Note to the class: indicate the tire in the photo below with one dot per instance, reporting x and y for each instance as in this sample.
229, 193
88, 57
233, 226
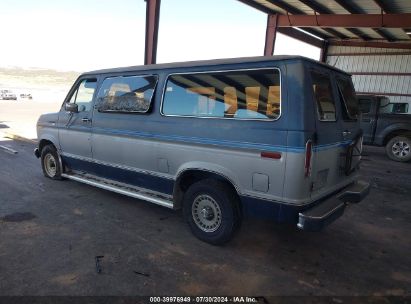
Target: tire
211, 209
50, 163
399, 149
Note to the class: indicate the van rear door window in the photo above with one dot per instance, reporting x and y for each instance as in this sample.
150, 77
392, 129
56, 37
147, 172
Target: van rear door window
251, 94
323, 96
351, 109
126, 94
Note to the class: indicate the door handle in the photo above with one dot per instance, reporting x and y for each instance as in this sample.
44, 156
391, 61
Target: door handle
86, 119
345, 133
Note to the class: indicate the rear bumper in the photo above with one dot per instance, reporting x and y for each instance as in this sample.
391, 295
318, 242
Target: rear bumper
319, 216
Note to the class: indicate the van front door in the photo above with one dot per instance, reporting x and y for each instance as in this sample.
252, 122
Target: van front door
75, 127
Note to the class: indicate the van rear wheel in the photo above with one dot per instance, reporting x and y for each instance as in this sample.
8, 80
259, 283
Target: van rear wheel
211, 209
50, 162
399, 149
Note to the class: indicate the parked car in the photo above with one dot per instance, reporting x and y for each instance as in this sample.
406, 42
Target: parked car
26, 96
7, 95
221, 139
386, 124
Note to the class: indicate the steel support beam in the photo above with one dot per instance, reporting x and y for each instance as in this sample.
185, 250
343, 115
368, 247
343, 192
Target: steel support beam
396, 53
373, 44
293, 33
270, 35
296, 34
152, 21
389, 10
353, 10
291, 10
345, 20
319, 8
324, 51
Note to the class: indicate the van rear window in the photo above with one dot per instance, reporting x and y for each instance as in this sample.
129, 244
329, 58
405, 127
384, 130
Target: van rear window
251, 94
130, 94
323, 96
347, 92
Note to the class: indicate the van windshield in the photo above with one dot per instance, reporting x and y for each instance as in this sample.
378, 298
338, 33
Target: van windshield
347, 92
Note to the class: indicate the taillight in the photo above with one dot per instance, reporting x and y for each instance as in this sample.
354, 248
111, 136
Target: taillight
308, 157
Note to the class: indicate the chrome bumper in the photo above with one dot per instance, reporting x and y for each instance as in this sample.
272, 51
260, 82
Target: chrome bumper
321, 215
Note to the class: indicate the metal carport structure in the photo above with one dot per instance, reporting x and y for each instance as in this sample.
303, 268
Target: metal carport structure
363, 23
371, 39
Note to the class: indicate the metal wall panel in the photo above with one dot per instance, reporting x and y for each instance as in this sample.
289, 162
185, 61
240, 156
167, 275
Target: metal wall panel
363, 60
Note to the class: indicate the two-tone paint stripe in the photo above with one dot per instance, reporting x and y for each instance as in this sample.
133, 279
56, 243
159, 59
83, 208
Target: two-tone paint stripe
219, 142
210, 141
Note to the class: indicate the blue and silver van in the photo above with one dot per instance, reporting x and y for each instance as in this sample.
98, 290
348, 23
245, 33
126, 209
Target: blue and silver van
276, 137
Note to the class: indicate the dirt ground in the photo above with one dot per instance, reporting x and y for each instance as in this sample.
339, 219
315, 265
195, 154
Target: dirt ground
51, 232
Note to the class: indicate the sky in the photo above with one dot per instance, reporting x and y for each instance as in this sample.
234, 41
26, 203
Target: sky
81, 35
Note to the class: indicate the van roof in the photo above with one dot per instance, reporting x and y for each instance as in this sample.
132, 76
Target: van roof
214, 62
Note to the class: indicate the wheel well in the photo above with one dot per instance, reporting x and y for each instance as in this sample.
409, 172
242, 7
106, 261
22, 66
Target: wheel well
43, 143
395, 133
189, 177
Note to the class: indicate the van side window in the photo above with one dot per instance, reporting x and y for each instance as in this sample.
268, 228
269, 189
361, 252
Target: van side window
126, 94
83, 95
253, 94
365, 105
349, 100
323, 96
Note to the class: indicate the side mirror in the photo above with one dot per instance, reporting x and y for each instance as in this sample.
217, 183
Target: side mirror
71, 107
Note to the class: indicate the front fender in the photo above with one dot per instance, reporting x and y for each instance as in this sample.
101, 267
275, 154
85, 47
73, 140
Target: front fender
47, 129
51, 138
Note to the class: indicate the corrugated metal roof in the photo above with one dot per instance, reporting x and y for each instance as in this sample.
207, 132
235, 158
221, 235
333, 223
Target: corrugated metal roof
311, 7
398, 6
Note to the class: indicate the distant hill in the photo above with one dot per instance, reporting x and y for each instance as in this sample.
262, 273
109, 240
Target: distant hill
36, 78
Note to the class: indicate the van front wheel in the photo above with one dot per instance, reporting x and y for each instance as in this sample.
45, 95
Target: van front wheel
399, 149
50, 162
211, 209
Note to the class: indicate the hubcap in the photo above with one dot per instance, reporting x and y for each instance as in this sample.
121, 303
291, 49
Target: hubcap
401, 149
50, 165
206, 213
